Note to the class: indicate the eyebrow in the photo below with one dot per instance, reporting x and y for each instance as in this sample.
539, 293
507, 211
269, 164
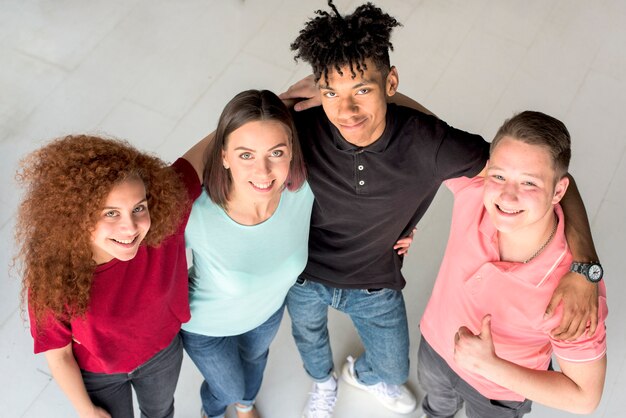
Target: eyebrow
115, 207
282, 144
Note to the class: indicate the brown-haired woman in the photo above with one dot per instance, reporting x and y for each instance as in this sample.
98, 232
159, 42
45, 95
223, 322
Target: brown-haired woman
248, 232
102, 254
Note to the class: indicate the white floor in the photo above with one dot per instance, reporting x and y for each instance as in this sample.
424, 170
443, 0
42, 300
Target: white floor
158, 72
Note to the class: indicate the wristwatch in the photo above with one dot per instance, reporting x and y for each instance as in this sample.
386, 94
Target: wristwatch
592, 271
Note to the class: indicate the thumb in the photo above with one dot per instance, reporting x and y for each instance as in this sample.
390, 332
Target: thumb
554, 302
485, 329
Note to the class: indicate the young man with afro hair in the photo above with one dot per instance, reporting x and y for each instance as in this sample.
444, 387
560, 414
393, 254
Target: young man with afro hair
374, 169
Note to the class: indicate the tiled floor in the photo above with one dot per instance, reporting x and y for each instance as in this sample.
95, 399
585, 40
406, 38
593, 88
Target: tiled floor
158, 72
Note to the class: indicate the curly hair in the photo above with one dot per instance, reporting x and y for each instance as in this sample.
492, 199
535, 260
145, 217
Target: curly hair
331, 41
66, 183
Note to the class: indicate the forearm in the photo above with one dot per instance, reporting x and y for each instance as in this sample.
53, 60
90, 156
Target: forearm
66, 372
577, 229
551, 388
196, 155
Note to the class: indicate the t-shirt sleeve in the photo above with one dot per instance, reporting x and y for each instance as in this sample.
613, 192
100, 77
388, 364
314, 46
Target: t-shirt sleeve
460, 153
586, 348
189, 177
50, 333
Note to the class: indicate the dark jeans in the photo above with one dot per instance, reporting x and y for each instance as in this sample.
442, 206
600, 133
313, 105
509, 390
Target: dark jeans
154, 383
446, 391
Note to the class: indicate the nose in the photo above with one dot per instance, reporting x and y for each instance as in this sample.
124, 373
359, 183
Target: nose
347, 107
128, 224
263, 166
509, 191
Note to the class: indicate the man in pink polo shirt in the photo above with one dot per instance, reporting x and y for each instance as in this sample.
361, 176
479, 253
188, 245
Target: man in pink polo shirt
485, 341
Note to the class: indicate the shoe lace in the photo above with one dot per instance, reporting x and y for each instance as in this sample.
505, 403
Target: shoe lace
322, 400
388, 391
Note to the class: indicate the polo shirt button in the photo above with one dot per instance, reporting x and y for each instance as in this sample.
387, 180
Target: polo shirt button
361, 183
360, 167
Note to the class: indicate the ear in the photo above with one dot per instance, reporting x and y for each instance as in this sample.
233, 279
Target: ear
560, 189
391, 84
224, 160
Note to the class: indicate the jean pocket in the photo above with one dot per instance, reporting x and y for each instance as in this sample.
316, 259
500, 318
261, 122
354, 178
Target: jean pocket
375, 291
510, 405
301, 281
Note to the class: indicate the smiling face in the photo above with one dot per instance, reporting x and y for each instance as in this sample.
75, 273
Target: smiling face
123, 223
258, 156
521, 187
357, 106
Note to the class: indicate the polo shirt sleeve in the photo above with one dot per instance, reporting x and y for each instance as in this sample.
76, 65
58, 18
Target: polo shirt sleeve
459, 153
586, 348
457, 184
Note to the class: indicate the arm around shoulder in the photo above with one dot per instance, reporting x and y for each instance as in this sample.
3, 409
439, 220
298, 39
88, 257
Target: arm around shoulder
196, 155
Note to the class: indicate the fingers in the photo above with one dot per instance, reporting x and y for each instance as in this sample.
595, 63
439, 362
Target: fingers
593, 322
554, 302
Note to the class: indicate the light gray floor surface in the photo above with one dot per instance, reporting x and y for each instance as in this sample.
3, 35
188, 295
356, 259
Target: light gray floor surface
158, 73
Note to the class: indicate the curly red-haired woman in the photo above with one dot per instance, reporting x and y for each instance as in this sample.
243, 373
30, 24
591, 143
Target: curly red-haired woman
102, 253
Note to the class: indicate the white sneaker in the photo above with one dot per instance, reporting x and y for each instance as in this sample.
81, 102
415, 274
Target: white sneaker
321, 402
396, 398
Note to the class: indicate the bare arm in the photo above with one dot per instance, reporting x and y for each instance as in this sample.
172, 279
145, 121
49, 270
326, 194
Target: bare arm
577, 388
66, 372
579, 296
196, 155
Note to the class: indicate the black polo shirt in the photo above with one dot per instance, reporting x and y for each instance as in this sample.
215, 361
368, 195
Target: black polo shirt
366, 198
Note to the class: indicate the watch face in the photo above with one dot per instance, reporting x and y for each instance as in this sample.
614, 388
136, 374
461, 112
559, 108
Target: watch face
595, 272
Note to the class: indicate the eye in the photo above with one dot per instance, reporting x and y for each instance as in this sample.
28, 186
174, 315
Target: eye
140, 208
497, 177
330, 94
277, 153
110, 214
529, 183
363, 91
246, 156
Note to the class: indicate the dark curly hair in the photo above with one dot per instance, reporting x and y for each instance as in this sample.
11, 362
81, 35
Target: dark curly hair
66, 182
331, 41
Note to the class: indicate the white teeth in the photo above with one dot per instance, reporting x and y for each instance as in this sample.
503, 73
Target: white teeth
124, 241
262, 185
509, 211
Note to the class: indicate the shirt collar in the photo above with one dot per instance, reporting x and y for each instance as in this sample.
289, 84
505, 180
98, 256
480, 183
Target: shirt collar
538, 269
377, 146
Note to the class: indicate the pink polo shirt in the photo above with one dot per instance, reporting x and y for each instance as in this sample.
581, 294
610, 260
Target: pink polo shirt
472, 282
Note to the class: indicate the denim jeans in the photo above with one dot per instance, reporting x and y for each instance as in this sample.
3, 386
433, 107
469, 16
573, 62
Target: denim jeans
232, 366
154, 383
446, 391
379, 317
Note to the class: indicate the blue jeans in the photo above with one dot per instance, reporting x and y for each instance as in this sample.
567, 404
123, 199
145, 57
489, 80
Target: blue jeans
379, 317
154, 383
232, 366
446, 391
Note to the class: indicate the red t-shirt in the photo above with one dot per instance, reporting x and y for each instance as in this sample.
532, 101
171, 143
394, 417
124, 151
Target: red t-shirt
136, 307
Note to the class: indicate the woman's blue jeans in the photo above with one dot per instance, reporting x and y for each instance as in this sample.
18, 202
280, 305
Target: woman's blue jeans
379, 316
232, 366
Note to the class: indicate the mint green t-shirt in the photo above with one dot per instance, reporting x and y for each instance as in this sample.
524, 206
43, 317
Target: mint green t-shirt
241, 274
